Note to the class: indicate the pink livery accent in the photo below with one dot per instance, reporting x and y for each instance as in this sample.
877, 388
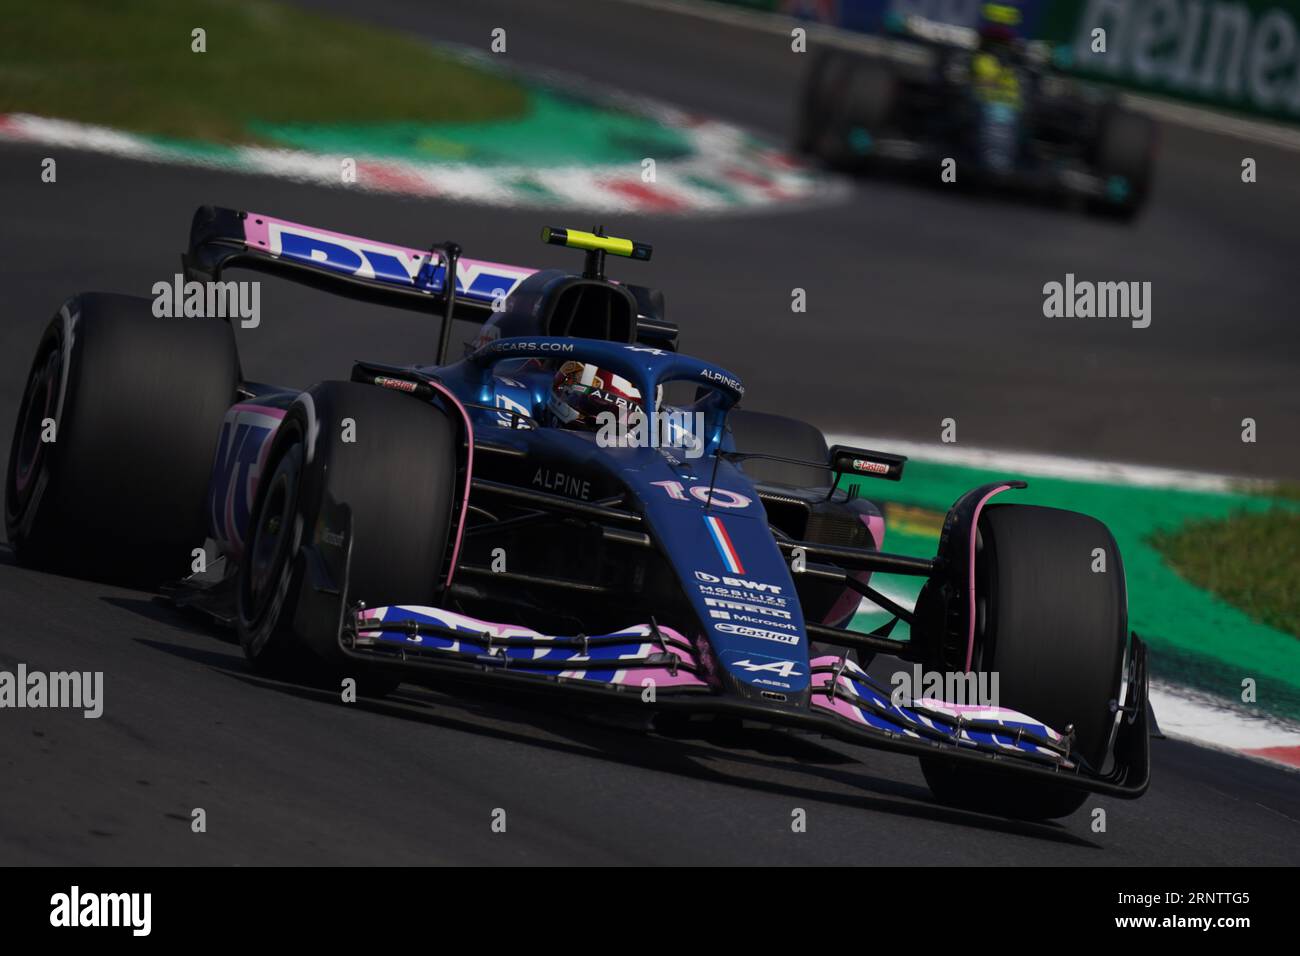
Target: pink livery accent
843, 708
876, 525
237, 469
371, 622
832, 660
469, 471
910, 711
842, 610
970, 584
266, 410
263, 233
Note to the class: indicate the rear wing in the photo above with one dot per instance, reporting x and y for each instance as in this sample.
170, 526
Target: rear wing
379, 272
347, 265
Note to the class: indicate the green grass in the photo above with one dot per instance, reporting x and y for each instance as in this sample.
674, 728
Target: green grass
129, 64
1250, 559
1290, 490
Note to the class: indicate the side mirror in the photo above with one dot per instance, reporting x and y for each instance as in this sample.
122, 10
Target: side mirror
846, 460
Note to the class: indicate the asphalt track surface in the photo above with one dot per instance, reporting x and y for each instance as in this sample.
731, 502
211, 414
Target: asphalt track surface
921, 307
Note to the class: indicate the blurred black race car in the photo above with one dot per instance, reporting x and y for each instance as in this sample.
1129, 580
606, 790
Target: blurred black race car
987, 99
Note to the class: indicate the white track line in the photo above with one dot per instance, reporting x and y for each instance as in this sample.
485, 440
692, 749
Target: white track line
1212, 121
1012, 463
1182, 713
1187, 715
726, 170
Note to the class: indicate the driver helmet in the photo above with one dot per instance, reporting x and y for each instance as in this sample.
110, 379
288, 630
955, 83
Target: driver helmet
999, 27
581, 392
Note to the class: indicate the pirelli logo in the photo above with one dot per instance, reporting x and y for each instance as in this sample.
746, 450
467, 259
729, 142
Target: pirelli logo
746, 608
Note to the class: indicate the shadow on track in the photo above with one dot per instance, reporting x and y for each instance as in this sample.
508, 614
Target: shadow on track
509, 719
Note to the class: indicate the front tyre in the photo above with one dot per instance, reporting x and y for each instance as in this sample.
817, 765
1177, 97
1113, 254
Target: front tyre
1055, 632
393, 461
1125, 158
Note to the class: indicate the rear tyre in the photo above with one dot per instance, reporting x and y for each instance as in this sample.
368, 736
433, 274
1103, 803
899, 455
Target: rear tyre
871, 95
398, 476
848, 101
865, 109
1055, 632
136, 404
1125, 156
817, 100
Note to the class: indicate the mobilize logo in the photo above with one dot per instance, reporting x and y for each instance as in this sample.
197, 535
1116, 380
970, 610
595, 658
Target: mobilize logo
77, 909
737, 594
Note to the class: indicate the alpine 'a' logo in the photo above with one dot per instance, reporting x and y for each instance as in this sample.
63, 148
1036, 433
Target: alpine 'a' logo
783, 668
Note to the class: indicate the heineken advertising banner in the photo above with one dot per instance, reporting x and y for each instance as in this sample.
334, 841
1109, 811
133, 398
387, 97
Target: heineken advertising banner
1239, 55
1242, 55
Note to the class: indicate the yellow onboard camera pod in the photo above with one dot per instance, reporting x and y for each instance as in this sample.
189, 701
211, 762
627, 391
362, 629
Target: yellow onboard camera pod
590, 242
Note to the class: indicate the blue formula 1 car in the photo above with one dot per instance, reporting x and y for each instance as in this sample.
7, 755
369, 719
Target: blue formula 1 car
574, 508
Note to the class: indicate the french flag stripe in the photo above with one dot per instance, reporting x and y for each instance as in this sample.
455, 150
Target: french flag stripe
718, 531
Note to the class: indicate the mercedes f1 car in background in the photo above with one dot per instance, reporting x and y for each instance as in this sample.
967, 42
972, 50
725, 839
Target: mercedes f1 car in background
454, 523
985, 98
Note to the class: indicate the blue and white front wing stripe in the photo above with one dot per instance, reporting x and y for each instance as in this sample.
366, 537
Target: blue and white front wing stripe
474, 639
852, 684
